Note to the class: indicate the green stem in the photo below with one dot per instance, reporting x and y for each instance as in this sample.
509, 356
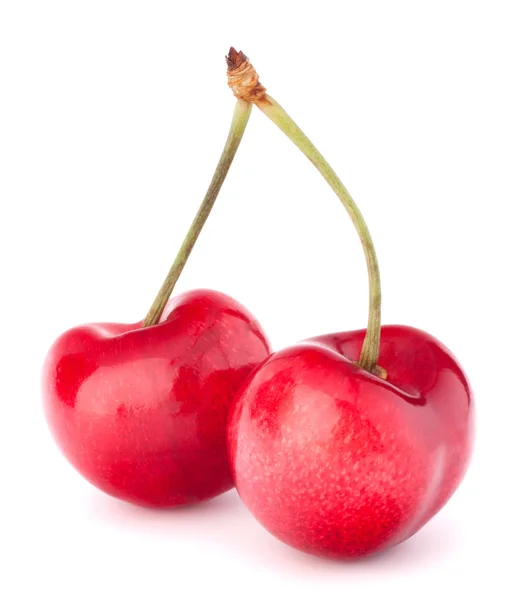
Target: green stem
237, 129
371, 345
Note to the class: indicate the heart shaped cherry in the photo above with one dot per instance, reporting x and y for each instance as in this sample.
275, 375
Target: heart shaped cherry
348, 443
140, 410
341, 463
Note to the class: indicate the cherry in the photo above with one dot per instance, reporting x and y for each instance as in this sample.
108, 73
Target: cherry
341, 463
140, 410
348, 443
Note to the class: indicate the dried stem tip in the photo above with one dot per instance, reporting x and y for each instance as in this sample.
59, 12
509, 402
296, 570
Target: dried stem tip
242, 77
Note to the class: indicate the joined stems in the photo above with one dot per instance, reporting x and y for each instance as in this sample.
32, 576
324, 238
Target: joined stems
244, 82
237, 129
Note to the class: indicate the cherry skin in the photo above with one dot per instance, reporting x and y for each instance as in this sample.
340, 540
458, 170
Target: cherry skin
141, 412
340, 463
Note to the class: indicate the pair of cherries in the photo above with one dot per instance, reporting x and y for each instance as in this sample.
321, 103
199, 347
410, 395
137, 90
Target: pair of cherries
341, 445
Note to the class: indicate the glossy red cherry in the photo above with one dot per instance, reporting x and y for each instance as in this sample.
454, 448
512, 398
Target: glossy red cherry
340, 463
348, 443
141, 411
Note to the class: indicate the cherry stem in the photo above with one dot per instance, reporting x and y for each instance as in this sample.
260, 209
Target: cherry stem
237, 129
371, 345
244, 83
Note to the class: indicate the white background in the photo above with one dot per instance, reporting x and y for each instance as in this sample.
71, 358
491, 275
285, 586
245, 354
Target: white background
112, 117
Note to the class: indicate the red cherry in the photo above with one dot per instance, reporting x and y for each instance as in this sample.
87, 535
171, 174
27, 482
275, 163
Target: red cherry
348, 443
141, 411
340, 463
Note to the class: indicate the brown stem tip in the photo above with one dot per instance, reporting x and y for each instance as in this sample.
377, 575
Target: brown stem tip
242, 77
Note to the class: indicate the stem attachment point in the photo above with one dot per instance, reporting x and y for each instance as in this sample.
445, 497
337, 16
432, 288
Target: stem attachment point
242, 77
